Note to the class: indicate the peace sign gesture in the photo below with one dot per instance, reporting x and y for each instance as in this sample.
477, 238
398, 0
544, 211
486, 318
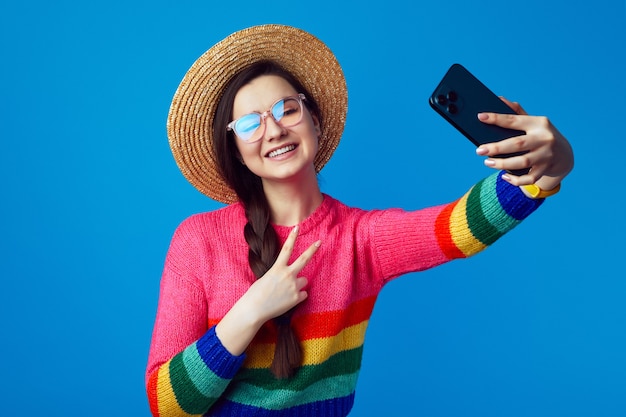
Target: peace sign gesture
281, 288
275, 293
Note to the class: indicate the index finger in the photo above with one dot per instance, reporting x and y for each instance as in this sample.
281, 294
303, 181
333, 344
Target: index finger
287, 249
509, 121
305, 257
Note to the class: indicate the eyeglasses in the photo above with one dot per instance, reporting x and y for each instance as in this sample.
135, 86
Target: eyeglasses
287, 112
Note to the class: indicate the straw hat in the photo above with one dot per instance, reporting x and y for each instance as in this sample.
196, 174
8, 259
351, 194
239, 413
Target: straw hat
190, 120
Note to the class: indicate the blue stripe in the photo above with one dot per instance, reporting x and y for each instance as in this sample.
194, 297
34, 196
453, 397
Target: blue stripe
335, 407
514, 201
216, 357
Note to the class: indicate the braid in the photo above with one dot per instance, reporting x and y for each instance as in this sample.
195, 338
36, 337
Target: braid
262, 253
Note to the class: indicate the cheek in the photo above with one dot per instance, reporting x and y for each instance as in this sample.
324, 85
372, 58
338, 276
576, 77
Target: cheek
313, 129
238, 146
244, 148
249, 154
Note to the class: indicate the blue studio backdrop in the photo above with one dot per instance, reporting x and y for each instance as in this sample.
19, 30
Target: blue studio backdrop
534, 326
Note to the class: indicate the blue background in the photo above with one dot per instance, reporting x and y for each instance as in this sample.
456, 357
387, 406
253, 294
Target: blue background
534, 326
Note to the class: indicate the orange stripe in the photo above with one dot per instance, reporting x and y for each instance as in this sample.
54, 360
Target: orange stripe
444, 236
316, 351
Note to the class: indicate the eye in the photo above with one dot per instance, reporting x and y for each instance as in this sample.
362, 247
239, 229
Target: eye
248, 123
291, 106
290, 110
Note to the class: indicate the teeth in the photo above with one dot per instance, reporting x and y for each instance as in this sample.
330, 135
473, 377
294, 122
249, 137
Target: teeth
281, 151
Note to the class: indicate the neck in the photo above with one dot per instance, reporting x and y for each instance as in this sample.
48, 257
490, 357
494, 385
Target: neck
291, 203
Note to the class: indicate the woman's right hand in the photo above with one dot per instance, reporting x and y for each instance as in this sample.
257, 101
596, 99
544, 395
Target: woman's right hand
275, 293
281, 288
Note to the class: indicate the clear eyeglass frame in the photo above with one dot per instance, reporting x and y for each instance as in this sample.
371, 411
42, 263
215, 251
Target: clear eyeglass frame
238, 125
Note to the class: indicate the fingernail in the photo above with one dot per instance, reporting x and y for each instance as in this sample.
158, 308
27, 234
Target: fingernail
481, 150
318, 243
294, 230
505, 177
490, 162
483, 116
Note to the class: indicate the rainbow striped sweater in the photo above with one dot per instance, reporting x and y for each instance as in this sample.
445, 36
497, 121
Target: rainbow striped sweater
190, 372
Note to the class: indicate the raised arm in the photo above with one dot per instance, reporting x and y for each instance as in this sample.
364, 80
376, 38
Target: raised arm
491, 208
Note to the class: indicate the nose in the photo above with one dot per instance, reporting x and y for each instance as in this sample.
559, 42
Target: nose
273, 129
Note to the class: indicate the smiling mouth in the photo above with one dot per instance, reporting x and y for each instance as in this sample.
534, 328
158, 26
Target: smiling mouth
281, 151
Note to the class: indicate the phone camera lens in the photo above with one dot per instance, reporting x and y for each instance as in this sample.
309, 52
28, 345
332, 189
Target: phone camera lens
452, 96
441, 99
452, 109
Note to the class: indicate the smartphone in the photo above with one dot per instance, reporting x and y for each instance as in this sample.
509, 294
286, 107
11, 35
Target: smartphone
460, 96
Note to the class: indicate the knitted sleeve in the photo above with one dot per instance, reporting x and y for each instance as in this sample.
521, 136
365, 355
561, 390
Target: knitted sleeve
414, 241
188, 367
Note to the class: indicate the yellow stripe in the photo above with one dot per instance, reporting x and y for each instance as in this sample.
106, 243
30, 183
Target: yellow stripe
166, 399
315, 351
461, 234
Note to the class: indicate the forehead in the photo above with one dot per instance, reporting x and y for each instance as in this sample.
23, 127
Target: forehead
260, 93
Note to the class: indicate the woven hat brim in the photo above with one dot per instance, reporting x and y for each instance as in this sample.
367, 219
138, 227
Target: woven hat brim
190, 119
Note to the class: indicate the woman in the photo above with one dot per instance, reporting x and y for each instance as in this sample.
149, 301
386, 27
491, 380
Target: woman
264, 303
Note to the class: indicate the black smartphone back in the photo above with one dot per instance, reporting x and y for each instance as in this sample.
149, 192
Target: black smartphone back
460, 96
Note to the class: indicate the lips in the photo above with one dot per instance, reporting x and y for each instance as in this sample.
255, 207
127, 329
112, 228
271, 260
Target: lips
281, 150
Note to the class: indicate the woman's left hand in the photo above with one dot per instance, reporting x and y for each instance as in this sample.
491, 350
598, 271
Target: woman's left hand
548, 154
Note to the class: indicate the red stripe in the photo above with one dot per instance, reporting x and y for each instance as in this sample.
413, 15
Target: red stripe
151, 390
330, 323
318, 325
444, 237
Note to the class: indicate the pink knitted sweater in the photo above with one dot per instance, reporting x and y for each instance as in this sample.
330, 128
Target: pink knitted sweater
206, 271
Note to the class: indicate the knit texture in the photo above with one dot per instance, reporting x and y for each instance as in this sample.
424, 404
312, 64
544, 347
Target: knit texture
206, 271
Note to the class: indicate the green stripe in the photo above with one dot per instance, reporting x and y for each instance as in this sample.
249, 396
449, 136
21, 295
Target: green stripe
480, 227
279, 399
187, 395
206, 381
492, 208
342, 363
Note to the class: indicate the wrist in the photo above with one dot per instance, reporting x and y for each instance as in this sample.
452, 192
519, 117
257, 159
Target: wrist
250, 312
239, 326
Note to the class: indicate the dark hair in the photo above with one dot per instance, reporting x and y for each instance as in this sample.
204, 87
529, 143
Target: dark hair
261, 237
